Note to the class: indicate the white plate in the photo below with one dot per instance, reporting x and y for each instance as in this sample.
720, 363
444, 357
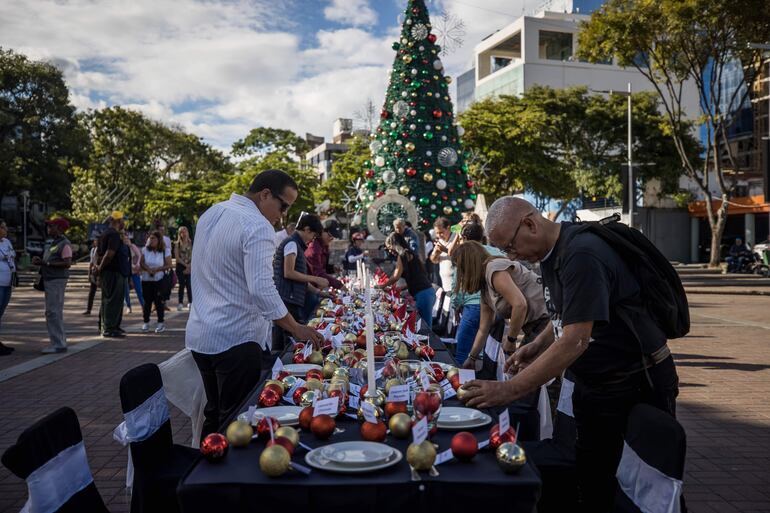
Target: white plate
300, 369
286, 415
456, 418
357, 454
315, 460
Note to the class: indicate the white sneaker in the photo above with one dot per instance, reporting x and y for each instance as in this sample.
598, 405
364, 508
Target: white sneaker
179, 307
160, 328
145, 327
128, 309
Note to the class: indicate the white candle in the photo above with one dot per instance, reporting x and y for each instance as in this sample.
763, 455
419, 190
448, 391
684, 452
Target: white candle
369, 329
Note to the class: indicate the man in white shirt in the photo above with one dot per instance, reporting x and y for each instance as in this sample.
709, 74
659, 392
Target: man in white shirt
236, 300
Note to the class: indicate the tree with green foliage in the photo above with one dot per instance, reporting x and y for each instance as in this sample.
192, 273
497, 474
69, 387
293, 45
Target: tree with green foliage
680, 44
560, 143
416, 148
264, 140
40, 139
346, 170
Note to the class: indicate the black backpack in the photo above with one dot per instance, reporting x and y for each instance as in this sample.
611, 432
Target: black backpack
661, 289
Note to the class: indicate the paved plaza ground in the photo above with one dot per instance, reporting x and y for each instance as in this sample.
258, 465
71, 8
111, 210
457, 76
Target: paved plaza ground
724, 367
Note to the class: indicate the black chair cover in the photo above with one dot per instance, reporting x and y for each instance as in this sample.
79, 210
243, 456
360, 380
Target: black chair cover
41, 442
158, 462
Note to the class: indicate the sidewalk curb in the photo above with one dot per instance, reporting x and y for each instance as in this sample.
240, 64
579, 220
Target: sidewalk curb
716, 292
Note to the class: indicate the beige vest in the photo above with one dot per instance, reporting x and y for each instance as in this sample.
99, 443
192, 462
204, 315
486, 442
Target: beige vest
528, 282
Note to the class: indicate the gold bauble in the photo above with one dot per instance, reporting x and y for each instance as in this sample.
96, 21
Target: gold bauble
341, 373
276, 382
427, 177
452, 372
288, 382
511, 457
328, 370
288, 432
447, 210
421, 456
461, 393
239, 433
274, 461
314, 384
400, 425
407, 58
378, 399
391, 383
404, 190
448, 79
316, 358
378, 413
403, 351
309, 397
333, 358
409, 146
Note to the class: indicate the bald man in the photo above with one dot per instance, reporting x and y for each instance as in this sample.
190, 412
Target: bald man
584, 282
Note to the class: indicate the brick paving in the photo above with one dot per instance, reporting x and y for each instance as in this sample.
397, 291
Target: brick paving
724, 367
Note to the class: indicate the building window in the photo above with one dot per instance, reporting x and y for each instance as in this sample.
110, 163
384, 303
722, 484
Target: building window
555, 46
500, 62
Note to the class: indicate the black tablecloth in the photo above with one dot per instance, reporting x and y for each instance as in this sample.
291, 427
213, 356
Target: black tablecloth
237, 484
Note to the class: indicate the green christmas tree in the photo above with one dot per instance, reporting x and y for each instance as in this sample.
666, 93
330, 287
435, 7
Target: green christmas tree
416, 149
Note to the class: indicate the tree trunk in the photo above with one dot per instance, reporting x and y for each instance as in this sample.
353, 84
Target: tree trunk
717, 229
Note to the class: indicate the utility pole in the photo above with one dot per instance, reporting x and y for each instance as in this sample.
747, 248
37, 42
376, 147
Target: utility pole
631, 195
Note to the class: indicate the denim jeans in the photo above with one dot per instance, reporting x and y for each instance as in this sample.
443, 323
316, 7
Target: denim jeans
5, 298
466, 332
136, 279
424, 300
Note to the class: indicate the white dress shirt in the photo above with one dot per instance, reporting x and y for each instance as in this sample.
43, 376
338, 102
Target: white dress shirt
235, 295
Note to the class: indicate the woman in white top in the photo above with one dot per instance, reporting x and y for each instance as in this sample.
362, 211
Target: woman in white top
7, 268
445, 241
154, 263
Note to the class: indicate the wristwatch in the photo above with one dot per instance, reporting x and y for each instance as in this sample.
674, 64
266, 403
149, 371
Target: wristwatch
512, 340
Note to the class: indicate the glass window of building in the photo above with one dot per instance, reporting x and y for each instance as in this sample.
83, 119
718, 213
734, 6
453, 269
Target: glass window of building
555, 46
500, 62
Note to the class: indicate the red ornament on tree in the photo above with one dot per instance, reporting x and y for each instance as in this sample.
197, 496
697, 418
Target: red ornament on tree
384, 114
214, 447
379, 194
432, 38
410, 171
469, 184
464, 446
370, 173
437, 113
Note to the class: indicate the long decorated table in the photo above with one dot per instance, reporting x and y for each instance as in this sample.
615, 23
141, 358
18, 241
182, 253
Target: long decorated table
236, 483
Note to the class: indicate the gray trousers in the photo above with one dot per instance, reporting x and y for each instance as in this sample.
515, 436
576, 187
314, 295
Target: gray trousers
54, 311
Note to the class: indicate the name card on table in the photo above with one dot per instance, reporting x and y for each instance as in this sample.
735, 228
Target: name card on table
347, 300
308, 349
483, 444
504, 420
378, 372
277, 367
338, 339
449, 390
398, 394
354, 401
443, 457
420, 431
368, 411
466, 375
424, 381
289, 397
328, 406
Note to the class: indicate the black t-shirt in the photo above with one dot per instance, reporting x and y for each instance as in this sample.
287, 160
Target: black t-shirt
110, 239
414, 274
592, 279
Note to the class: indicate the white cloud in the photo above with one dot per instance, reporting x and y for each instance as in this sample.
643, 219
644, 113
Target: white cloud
351, 12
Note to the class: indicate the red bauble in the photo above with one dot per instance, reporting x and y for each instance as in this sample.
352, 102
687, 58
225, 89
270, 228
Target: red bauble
437, 113
427, 403
298, 358
379, 194
455, 381
362, 391
283, 441
427, 352
464, 446
379, 350
306, 417
372, 432
438, 372
470, 184
275, 387
297, 396
314, 373
410, 171
393, 408
282, 374
370, 173
343, 402
268, 397
322, 426
384, 114
496, 439
263, 427
214, 447
426, 164
432, 38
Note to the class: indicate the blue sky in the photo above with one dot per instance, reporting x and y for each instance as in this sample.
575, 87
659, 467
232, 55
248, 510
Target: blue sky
218, 68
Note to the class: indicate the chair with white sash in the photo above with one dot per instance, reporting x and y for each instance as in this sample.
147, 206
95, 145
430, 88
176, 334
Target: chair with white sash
51, 457
157, 462
555, 456
652, 466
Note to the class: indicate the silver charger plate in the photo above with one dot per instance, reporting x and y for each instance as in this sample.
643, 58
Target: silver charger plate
357, 454
286, 415
317, 461
455, 418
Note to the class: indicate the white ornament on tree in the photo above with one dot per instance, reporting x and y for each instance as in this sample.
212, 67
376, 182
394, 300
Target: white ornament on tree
441, 184
468, 203
379, 161
447, 157
388, 176
437, 64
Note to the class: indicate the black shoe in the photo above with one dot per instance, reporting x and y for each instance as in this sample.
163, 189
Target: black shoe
4, 350
120, 330
87, 312
113, 334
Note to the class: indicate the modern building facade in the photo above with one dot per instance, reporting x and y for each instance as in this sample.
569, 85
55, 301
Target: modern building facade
321, 157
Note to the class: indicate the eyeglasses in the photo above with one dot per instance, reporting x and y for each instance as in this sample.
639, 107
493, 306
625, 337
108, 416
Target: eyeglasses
284, 205
509, 249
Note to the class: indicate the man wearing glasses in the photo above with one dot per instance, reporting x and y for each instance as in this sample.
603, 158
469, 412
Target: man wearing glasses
236, 301
585, 283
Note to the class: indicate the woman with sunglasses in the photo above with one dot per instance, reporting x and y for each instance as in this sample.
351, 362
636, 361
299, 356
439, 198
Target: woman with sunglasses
508, 290
410, 267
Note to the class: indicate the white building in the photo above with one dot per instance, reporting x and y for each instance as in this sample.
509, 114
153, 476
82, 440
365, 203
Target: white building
321, 157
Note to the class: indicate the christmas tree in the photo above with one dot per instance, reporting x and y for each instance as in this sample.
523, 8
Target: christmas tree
416, 148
